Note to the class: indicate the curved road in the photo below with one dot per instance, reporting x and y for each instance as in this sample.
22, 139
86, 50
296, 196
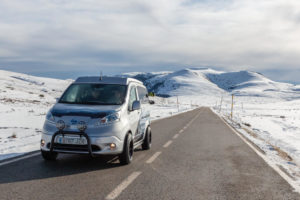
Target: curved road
194, 156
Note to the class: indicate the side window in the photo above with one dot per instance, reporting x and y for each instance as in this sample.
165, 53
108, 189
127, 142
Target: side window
132, 96
71, 94
143, 94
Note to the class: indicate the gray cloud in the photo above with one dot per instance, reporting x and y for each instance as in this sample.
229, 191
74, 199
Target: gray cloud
134, 34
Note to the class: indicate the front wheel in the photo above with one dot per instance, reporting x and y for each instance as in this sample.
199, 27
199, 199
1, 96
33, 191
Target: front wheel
47, 155
127, 154
148, 139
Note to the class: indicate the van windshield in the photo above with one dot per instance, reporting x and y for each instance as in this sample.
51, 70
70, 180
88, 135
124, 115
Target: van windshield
95, 94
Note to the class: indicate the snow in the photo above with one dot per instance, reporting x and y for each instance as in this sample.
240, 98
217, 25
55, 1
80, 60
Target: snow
265, 111
24, 102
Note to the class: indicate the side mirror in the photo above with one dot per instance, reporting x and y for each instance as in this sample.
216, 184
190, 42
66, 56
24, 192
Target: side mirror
136, 105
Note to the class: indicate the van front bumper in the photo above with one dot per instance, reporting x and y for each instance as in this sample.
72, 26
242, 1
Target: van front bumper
95, 145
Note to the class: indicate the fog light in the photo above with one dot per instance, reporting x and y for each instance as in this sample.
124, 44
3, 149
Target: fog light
42, 143
60, 125
112, 146
81, 126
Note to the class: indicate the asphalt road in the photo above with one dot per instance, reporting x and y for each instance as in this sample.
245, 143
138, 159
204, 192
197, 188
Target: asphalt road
194, 156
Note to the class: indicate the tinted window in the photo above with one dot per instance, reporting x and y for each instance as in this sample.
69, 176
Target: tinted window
95, 94
143, 94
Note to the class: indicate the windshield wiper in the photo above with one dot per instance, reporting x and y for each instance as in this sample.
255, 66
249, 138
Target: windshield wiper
98, 103
89, 103
67, 102
93, 103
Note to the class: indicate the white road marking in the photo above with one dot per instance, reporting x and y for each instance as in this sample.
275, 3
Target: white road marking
175, 136
18, 159
152, 158
188, 124
118, 190
167, 143
265, 158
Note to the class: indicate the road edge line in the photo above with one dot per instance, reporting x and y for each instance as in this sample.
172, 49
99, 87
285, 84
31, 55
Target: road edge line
8, 161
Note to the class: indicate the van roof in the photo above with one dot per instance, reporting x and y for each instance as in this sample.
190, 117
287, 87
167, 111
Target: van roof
107, 80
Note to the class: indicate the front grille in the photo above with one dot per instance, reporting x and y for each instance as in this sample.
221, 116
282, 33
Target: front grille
96, 148
72, 147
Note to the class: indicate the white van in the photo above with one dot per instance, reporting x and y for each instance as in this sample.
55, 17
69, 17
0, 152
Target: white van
98, 116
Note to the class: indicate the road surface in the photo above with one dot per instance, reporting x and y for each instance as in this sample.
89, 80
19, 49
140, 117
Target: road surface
194, 156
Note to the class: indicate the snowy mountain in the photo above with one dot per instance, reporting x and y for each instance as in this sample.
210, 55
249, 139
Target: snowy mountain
25, 89
205, 81
24, 102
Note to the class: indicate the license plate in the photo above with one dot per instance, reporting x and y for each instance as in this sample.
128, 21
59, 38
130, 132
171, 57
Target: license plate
70, 140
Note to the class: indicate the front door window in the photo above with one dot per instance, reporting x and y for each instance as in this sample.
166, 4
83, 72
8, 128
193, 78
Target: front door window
132, 97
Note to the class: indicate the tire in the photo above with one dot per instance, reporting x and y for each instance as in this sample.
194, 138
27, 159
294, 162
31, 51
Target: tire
127, 154
47, 155
148, 139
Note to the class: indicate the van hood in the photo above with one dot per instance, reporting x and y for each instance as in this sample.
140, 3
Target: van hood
92, 111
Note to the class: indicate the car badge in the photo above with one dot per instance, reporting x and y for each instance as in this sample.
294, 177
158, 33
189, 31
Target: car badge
73, 121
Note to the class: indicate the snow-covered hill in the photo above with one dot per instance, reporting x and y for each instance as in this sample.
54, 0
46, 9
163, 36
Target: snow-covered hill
178, 83
205, 81
22, 88
24, 101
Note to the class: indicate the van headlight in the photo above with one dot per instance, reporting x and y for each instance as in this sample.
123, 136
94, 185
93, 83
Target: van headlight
50, 117
109, 119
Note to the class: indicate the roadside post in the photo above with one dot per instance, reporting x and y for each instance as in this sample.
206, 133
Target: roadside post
177, 104
221, 104
231, 107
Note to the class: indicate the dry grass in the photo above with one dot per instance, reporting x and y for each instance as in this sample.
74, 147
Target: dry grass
9, 100
250, 133
280, 152
14, 135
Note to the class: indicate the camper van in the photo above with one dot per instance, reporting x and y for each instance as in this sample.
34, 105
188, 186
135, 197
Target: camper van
98, 116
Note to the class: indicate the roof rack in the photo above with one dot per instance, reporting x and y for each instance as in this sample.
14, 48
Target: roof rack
106, 80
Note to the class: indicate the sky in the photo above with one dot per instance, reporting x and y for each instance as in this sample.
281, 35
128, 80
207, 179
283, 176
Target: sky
65, 39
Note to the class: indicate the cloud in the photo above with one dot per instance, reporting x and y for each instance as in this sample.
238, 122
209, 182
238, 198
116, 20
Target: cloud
90, 34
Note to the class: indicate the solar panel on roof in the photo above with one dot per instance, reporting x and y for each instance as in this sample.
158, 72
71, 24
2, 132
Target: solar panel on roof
106, 80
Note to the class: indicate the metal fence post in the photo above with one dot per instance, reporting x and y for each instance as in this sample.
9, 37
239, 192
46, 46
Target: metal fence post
231, 107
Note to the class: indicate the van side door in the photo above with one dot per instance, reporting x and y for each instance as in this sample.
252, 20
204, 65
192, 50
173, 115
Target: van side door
134, 115
145, 113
